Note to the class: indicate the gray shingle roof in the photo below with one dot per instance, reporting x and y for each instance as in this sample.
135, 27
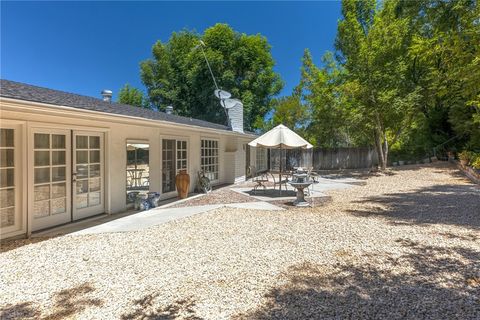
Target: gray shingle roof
22, 91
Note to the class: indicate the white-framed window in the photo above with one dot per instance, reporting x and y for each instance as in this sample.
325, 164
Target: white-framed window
182, 159
209, 159
8, 188
261, 159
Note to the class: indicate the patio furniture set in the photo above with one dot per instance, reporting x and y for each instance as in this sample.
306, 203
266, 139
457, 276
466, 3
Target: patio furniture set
299, 178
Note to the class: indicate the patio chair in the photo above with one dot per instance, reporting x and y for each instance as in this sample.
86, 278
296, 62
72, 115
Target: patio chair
283, 181
259, 178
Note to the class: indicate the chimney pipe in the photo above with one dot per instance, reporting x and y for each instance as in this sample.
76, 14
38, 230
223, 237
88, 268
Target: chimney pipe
169, 110
107, 95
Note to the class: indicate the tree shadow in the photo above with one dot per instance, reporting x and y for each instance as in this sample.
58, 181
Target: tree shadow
11, 244
442, 204
23, 310
68, 302
145, 309
426, 282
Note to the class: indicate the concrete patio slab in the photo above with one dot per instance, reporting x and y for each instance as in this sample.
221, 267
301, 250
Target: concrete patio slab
254, 206
153, 217
146, 219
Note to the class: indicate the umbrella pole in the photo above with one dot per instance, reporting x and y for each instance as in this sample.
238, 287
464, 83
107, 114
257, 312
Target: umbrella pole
280, 173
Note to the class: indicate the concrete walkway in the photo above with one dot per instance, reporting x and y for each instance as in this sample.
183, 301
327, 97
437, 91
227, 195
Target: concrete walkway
153, 217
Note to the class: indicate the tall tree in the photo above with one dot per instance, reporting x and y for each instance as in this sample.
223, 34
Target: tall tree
372, 44
132, 96
177, 74
446, 49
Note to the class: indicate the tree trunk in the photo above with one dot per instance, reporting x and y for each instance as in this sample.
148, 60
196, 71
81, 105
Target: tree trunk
382, 150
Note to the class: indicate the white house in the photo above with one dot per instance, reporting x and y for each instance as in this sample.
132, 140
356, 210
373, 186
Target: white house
66, 157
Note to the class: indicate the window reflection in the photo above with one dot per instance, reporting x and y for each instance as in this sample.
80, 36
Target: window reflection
138, 178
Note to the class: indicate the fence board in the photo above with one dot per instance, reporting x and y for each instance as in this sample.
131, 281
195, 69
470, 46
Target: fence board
324, 158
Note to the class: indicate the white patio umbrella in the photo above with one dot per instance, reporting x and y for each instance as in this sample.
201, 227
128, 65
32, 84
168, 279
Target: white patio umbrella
281, 137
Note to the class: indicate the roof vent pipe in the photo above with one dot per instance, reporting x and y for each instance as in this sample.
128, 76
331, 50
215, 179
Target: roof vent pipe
107, 95
169, 110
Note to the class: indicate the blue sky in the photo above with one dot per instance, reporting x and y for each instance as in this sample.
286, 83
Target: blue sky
84, 47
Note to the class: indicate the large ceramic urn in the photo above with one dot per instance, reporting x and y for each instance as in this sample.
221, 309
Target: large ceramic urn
182, 181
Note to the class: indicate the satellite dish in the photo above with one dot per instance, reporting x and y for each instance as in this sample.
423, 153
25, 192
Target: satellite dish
222, 94
230, 103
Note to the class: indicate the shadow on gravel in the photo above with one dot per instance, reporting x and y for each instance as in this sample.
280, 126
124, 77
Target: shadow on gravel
444, 204
68, 303
145, 309
433, 283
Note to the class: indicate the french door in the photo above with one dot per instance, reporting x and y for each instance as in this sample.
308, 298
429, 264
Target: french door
174, 159
66, 176
50, 179
88, 177
168, 165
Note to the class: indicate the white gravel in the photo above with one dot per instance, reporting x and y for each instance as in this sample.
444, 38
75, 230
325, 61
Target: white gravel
404, 246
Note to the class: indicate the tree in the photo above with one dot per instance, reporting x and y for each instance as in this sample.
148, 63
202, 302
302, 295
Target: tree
290, 112
132, 96
321, 90
372, 45
178, 75
446, 49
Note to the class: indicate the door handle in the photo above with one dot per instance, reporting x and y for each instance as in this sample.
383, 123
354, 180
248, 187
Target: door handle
74, 176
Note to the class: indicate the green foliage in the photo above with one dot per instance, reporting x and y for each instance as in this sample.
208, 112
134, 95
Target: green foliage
291, 112
405, 78
467, 156
132, 96
475, 163
178, 75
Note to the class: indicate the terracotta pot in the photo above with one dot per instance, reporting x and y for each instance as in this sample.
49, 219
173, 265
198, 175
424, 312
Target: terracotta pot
463, 162
182, 181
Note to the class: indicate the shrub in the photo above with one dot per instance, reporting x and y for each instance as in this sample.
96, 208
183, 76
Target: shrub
466, 155
475, 162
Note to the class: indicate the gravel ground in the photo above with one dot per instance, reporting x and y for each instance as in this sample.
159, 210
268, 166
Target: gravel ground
404, 246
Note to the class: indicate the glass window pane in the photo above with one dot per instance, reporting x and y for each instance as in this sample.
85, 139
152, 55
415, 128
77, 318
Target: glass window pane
41, 209
94, 142
42, 158
6, 178
6, 137
58, 206
58, 157
82, 200
7, 217
7, 198
42, 175
6, 158
42, 192
94, 156
82, 142
93, 199
58, 174
59, 190
42, 141
94, 184
82, 156
82, 186
82, 171
94, 170
58, 141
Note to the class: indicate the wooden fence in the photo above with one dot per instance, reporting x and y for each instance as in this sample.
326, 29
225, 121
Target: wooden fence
325, 158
